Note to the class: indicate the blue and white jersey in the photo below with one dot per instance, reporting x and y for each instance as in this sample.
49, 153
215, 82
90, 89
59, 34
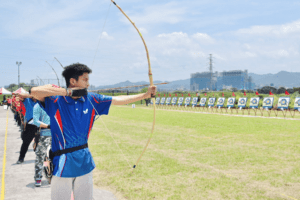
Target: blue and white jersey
41, 117
71, 123
29, 104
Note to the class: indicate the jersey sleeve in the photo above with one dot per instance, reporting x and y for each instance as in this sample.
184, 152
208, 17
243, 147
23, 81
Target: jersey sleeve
36, 115
101, 103
49, 101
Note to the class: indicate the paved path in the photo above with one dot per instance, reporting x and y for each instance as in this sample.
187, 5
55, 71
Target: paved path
19, 181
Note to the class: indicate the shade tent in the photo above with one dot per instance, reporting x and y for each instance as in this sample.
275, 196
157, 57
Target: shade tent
20, 91
4, 91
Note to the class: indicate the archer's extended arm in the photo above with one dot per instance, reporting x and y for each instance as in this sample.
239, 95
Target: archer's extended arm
121, 100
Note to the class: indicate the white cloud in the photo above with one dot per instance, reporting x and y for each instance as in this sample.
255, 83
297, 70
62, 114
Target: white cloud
203, 38
274, 30
175, 35
105, 35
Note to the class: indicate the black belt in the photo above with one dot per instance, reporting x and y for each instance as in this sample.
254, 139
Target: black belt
64, 151
45, 128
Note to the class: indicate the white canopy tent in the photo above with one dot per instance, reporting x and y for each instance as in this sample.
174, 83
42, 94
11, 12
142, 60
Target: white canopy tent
20, 91
4, 91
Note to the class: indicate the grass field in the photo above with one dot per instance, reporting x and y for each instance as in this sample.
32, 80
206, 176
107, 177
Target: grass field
196, 156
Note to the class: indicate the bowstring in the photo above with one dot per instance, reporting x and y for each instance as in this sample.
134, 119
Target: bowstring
98, 116
101, 34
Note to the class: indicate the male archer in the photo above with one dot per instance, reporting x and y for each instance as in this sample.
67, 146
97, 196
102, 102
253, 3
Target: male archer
72, 113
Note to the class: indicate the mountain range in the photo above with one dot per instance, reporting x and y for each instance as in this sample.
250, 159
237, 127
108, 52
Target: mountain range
280, 79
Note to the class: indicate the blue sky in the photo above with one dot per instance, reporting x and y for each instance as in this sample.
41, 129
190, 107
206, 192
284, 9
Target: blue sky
261, 36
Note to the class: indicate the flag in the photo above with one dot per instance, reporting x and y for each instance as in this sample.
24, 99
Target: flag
164, 95
205, 94
222, 94
189, 94
245, 93
169, 95
287, 93
181, 94
197, 94
213, 94
175, 94
270, 93
159, 95
256, 93
233, 94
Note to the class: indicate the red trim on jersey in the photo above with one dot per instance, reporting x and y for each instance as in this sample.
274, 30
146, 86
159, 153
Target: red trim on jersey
58, 120
91, 122
95, 99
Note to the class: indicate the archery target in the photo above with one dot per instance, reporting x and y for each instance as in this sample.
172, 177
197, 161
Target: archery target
283, 102
242, 102
221, 102
211, 101
297, 103
180, 100
168, 100
162, 102
230, 102
203, 101
195, 100
268, 102
187, 101
174, 100
157, 100
254, 102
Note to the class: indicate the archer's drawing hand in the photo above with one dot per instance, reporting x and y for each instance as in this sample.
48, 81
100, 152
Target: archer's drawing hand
76, 92
151, 91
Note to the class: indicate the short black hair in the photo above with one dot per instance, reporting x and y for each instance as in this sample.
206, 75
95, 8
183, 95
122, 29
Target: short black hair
74, 71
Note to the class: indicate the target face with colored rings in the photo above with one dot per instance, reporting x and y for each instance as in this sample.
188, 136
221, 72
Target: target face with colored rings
221, 101
268, 102
242, 101
211, 101
231, 101
203, 101
283, 102
298, 102
254, 101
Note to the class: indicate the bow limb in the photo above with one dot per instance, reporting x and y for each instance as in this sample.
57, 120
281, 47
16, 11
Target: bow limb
59, 62
55, 73
150, 79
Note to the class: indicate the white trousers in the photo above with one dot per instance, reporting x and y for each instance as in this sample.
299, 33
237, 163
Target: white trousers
82, 186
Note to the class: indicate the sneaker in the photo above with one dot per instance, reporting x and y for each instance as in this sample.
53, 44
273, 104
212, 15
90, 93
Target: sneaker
20, 161
38, 183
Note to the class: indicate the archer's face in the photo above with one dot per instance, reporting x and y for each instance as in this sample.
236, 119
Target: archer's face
83, 81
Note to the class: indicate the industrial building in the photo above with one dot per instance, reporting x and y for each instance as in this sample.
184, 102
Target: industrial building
221, 80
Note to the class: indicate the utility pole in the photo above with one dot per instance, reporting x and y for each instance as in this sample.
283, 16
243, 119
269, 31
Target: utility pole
210, 70
19, 63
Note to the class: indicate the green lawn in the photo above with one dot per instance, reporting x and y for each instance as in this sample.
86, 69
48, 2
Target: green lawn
196, 156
